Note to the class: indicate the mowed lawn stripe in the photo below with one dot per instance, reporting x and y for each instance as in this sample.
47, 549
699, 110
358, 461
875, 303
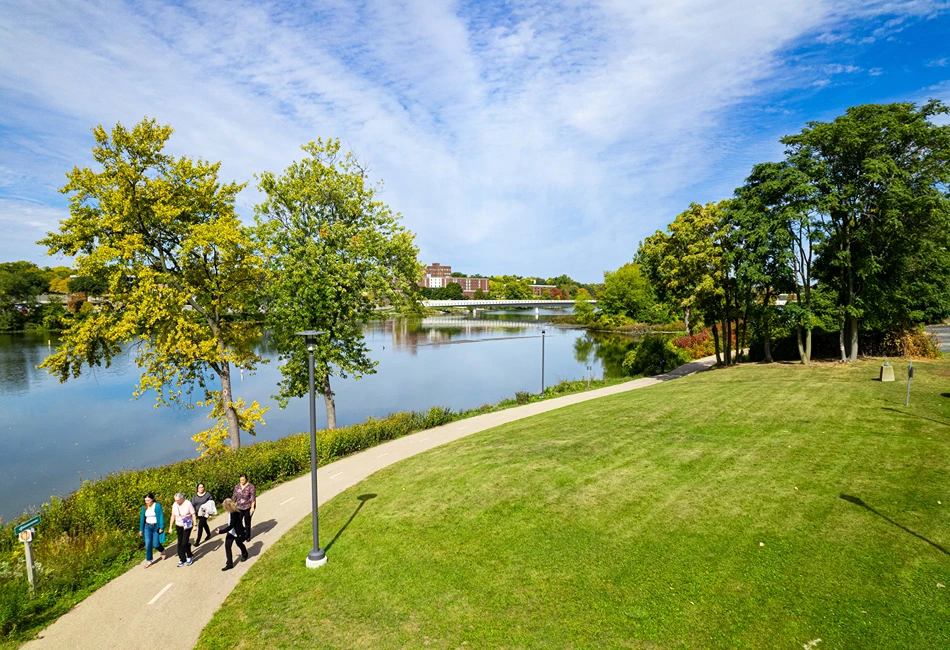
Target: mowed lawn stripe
756, 507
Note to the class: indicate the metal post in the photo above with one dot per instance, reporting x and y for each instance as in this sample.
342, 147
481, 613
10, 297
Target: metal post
316, 557
30, 575
910, 374
542, 362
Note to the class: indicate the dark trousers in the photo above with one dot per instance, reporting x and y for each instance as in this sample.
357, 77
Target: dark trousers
202, 526
184, 543
246, 518
227, 547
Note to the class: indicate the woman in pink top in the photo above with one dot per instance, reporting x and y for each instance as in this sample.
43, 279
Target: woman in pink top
183, 516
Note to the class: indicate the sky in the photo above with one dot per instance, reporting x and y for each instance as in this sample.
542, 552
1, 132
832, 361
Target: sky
530, 138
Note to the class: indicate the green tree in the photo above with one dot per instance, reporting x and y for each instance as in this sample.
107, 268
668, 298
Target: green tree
88, 285
518, 289
479, 295
452, 291
880, 174
21, 282
627, 291
694, 270
583, 310
335, 254
779, 204
180, 268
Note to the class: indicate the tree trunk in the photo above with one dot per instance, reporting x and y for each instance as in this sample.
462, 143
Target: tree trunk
715, 331
802, 356
686, 321
853, 331
329, 401
808, 345
727, 335
234, 432
844, 355
767, 331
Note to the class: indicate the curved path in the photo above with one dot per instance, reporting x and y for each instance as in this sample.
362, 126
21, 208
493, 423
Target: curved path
169, 606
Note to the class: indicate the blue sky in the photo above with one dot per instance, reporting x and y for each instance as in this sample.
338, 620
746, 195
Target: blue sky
533, 138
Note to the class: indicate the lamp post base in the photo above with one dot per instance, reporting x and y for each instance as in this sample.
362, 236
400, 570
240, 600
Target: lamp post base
316, 559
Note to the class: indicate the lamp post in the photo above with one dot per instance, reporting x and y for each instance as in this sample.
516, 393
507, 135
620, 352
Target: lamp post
316, 557
542, 362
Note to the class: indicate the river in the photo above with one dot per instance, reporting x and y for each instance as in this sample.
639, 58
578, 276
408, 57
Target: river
53, 436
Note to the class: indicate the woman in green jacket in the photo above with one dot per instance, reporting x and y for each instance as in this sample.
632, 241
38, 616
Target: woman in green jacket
152, 528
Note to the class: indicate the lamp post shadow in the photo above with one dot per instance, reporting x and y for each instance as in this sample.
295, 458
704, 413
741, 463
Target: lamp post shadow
859, 502
363, 498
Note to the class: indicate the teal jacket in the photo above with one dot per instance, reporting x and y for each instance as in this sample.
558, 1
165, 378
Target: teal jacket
159, 516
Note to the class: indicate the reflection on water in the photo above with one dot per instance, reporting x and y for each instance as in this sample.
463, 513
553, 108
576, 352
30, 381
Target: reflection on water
54, 435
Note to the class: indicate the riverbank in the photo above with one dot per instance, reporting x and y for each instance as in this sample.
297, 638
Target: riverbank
90, 537
141, 602
755, 507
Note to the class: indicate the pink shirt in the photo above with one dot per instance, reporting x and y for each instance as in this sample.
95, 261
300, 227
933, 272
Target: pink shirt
179, 512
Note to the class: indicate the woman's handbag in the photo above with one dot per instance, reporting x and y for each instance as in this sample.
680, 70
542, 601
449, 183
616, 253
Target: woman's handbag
187, 522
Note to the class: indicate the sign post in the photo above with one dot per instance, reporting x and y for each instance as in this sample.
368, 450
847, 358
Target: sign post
25, 532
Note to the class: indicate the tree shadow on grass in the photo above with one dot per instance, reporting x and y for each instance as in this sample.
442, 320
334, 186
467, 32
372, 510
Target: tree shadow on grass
858, 502
363, 498
888, 408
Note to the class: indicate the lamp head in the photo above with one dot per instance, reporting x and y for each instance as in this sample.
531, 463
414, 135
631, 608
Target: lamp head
310, 337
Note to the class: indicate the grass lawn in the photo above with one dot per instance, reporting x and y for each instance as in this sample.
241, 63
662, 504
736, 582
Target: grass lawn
756, 507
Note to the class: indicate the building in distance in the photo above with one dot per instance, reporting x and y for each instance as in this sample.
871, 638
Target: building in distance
438, 277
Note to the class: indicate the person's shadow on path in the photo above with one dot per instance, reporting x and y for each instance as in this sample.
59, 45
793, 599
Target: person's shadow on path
263, 527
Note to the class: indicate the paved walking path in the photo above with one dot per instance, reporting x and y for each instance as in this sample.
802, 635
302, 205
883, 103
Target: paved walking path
168, 606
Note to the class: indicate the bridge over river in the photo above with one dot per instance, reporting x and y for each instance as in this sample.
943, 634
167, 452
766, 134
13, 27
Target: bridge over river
490, 304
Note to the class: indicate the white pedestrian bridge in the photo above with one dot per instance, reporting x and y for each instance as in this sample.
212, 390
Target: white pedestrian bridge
485, 304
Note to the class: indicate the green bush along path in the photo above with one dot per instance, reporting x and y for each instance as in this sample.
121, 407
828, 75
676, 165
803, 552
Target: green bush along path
754, 507
145, 603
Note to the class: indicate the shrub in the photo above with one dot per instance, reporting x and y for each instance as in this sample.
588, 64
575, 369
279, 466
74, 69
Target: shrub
522, 397
653, 356
699, 345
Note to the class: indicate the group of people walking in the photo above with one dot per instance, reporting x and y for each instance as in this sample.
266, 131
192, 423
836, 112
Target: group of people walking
190, 514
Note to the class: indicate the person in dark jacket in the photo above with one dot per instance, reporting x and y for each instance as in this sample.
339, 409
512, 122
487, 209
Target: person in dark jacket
201, 497
235, 533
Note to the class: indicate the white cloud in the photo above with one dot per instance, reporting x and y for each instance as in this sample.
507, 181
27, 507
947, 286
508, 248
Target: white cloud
506, 139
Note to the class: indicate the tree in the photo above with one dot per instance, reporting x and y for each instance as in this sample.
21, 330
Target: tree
518, 289
479, 295
21, 282
778, 202
627, 291
880, 174
180, 269
693, 268
583, 310
88, 285
58, 278
335, 253
452, 291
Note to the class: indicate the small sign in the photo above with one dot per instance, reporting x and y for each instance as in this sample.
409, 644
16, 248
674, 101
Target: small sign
26, 536
26, 525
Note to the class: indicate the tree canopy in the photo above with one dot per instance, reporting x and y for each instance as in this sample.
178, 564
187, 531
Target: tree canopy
335, 252
181, 269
